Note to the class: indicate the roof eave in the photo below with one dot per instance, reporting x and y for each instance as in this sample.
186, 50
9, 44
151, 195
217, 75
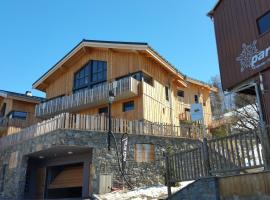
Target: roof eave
211, 12
85, 43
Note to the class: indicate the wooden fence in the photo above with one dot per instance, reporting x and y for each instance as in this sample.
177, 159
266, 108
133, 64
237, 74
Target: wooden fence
100, 123
87, 97
235, 153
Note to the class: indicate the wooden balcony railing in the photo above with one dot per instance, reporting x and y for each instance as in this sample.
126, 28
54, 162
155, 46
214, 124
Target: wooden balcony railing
19, 123
124, 88
99, 123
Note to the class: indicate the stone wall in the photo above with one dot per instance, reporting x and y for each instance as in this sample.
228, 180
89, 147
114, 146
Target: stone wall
139, 174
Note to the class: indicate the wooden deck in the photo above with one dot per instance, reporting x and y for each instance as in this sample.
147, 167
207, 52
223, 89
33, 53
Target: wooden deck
99, 123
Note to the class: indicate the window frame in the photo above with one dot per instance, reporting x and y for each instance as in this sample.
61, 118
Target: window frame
89, 68
196, 97
258, 25
167, 93
128, 102
181, 91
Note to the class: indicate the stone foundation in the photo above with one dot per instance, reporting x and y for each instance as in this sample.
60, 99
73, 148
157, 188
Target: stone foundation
139, 174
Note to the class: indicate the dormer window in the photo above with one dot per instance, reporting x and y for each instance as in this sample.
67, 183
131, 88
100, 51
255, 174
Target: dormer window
92, 74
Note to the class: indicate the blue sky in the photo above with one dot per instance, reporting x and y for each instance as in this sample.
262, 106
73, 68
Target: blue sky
35, 34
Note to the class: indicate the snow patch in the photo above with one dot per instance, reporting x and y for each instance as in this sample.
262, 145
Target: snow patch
143, 193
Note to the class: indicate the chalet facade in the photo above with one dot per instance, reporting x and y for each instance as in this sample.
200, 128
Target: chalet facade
65, 154
148, 86
17, 111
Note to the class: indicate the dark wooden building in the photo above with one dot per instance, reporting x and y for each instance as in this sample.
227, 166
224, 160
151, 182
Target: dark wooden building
242, 30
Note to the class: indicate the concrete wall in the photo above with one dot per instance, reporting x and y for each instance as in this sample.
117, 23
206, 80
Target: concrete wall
139, 174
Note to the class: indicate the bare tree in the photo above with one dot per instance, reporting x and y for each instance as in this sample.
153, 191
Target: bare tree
245, 113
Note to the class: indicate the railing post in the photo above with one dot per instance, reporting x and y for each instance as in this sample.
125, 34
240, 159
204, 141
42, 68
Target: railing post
167, 177
206, 160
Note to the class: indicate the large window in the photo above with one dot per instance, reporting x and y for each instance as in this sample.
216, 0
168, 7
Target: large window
92, 74
144, 152
17, 115
264, 23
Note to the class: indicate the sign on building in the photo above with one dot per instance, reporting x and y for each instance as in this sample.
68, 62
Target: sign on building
196, 112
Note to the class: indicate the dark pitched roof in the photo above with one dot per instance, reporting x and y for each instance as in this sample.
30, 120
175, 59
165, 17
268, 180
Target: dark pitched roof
20, 95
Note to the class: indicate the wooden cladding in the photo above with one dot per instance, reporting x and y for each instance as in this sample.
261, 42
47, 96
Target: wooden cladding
236, 27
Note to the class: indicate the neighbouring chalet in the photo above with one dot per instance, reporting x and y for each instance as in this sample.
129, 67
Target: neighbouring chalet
65, 154
242, 31
17, 111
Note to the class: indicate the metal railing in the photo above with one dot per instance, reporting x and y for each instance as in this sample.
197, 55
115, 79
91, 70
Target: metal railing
88, 97
99, 123
231, 154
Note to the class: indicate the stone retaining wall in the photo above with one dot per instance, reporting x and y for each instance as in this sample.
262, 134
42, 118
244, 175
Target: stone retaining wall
139, 174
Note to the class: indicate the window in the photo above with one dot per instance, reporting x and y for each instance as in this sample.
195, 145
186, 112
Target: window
196, 99
144, 152
180, 93
167, 93
263, 23
103, 110
128, 106
81, 78
4, 169
91, 75
147, 79
17, 115
98, 71
3, 110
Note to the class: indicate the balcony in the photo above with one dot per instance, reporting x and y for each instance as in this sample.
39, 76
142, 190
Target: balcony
124, 88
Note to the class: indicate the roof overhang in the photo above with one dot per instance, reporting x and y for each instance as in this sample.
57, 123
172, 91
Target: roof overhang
211, 13
19, 98
142, 47
202, 84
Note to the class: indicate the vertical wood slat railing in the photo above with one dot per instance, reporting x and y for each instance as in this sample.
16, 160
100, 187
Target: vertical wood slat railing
86, 97
99, 123
20, 123
233, 153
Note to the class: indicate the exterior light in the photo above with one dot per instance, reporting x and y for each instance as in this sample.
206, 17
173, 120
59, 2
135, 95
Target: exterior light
111, 96
70, 152
111, 99
41, 157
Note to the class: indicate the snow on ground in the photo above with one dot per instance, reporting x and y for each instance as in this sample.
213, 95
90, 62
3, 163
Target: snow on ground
144, 193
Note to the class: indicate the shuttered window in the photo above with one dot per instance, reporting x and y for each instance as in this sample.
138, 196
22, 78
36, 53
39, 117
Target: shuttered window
144, 152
